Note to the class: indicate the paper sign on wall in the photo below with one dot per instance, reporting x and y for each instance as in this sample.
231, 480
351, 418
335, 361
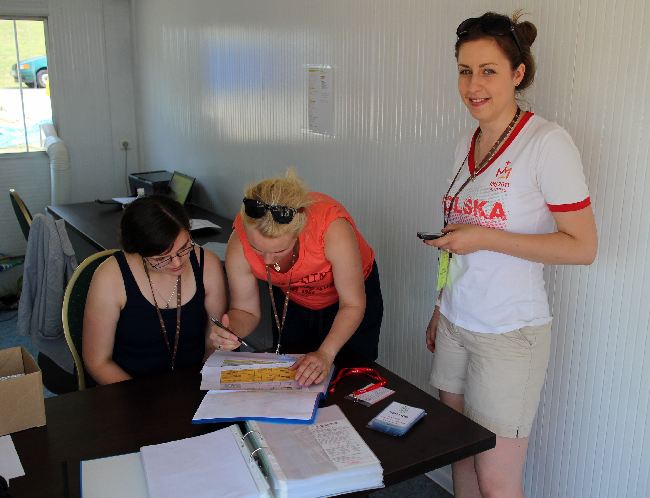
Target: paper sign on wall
320, 104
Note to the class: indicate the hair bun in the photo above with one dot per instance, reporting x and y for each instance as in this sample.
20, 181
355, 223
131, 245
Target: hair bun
527, 32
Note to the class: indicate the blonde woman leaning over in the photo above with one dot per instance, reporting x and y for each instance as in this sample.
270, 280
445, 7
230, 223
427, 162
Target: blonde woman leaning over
321, 274
518, 200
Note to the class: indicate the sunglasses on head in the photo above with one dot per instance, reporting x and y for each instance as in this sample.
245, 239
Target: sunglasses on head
281, 214
490, 25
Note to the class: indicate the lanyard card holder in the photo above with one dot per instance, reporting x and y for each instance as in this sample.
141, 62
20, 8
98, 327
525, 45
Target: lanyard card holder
396, 419
443, 268
370, 394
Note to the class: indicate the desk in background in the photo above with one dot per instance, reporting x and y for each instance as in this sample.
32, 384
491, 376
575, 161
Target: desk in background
120, 418
99, 224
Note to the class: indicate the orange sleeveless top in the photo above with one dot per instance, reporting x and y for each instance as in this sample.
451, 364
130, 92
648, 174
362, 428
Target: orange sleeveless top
312, 281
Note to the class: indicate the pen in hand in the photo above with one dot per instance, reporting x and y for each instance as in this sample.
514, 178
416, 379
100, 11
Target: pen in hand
227, 329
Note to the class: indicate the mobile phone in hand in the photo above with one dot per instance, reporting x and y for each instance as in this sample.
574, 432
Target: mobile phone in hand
430, 235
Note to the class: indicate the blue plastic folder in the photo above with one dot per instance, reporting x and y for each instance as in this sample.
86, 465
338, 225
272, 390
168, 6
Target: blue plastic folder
281, 407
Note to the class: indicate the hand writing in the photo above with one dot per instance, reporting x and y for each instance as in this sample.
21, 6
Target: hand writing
221, 339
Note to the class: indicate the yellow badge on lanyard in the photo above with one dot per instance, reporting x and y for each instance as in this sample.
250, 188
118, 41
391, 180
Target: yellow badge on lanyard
443, 268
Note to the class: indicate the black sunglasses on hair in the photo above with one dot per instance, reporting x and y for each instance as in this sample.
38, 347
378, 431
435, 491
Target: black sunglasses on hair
490, 25
281, 214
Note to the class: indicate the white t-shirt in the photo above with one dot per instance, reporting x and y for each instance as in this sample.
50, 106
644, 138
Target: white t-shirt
536, 171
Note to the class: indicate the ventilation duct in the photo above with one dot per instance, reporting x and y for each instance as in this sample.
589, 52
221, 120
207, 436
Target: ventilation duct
59, 165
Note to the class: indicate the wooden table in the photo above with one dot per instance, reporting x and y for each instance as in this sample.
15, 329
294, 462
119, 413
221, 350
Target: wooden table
120, 418
99, 224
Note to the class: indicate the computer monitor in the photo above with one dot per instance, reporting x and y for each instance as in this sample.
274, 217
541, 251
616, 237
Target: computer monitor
180, 186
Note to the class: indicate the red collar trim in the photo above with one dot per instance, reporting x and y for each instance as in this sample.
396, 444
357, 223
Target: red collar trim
471, 163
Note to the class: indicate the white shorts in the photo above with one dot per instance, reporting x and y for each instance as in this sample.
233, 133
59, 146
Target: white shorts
500, 375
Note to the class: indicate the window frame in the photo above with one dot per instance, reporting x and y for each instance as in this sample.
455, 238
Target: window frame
13, 17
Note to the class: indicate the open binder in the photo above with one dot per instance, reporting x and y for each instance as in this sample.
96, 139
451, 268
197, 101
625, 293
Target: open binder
255, 386
268, 460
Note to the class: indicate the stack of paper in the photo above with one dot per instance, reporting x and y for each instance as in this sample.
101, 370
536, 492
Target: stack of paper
324, 459
255, 386
214, 464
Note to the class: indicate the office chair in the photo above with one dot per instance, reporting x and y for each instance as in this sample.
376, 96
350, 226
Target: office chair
74, 303
22, 213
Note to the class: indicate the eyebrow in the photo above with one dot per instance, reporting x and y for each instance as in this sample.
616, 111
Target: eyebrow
480, 65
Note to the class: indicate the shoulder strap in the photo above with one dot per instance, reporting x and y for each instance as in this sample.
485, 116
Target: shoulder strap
197, 268
130, 284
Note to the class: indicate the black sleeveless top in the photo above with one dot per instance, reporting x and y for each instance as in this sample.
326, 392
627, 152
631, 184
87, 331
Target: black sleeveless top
139, 346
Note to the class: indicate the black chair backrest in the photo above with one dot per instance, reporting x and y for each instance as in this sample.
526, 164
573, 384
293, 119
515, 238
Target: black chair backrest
74, 303
22, 213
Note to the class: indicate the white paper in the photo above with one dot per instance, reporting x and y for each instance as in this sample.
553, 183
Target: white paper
10, 465
201, 467
220, 361
218, 358
292, 405
122, 475
124, 200
342, 444
198, 224
330, 456
320, 104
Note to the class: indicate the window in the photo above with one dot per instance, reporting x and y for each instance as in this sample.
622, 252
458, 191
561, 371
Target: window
24, 85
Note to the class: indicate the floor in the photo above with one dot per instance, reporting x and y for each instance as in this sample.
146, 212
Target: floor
417, 487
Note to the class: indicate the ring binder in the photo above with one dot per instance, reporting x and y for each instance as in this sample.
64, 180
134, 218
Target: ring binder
252, 455
326, 459
249, 432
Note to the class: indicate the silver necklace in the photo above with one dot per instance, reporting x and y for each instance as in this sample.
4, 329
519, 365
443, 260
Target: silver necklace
168, 301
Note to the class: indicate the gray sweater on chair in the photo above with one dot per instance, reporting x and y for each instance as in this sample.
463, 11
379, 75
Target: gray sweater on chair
49, 263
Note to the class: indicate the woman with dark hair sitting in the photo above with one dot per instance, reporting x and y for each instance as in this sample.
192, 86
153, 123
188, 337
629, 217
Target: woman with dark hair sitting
148, 305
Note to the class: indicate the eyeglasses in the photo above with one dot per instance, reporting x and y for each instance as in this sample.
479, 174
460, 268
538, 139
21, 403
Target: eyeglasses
163, 261
490, 25
281, 214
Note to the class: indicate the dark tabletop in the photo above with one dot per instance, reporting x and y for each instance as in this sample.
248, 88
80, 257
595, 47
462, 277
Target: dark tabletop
99, 223
120, 418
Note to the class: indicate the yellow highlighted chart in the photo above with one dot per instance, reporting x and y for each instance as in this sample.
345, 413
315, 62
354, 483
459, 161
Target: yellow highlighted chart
277, 374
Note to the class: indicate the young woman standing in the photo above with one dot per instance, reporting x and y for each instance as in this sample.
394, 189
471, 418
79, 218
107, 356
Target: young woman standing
518, 200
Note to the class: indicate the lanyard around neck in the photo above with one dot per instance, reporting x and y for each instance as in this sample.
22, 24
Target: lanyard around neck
481, 167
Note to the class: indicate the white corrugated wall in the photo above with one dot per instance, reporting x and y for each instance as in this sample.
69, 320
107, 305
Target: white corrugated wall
221, 95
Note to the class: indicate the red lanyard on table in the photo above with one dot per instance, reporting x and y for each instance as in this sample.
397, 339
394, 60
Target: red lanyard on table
370, 372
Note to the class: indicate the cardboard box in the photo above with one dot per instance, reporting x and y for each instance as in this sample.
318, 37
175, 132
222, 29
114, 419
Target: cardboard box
22, 405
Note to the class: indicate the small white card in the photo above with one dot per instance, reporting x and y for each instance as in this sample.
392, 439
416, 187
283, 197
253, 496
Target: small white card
396, 419
371, 397
400, 415
10, 465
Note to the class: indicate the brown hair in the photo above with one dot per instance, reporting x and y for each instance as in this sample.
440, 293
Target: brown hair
150, 225
526, 33
287, 190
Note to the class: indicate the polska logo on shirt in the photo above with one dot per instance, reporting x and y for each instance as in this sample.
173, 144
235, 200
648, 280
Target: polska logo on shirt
476, 208
502, 174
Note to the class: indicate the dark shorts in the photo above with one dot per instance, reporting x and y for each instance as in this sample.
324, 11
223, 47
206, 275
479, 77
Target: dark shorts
305, 329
